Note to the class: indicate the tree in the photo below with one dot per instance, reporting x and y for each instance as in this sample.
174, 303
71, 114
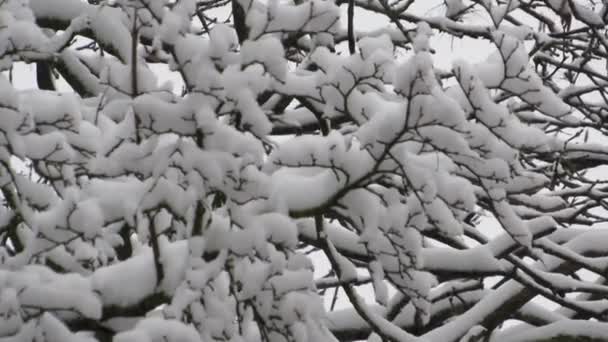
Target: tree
135, 212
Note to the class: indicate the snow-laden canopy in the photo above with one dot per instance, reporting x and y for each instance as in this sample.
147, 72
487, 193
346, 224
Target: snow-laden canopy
135, 209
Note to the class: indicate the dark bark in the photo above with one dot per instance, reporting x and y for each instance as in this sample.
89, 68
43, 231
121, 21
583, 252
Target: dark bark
239, 15
44, 76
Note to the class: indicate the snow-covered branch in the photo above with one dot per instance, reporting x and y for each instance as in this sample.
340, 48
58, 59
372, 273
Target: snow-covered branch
246, 170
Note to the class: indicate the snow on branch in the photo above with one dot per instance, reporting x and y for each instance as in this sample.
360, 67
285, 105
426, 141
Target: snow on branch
245, 170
